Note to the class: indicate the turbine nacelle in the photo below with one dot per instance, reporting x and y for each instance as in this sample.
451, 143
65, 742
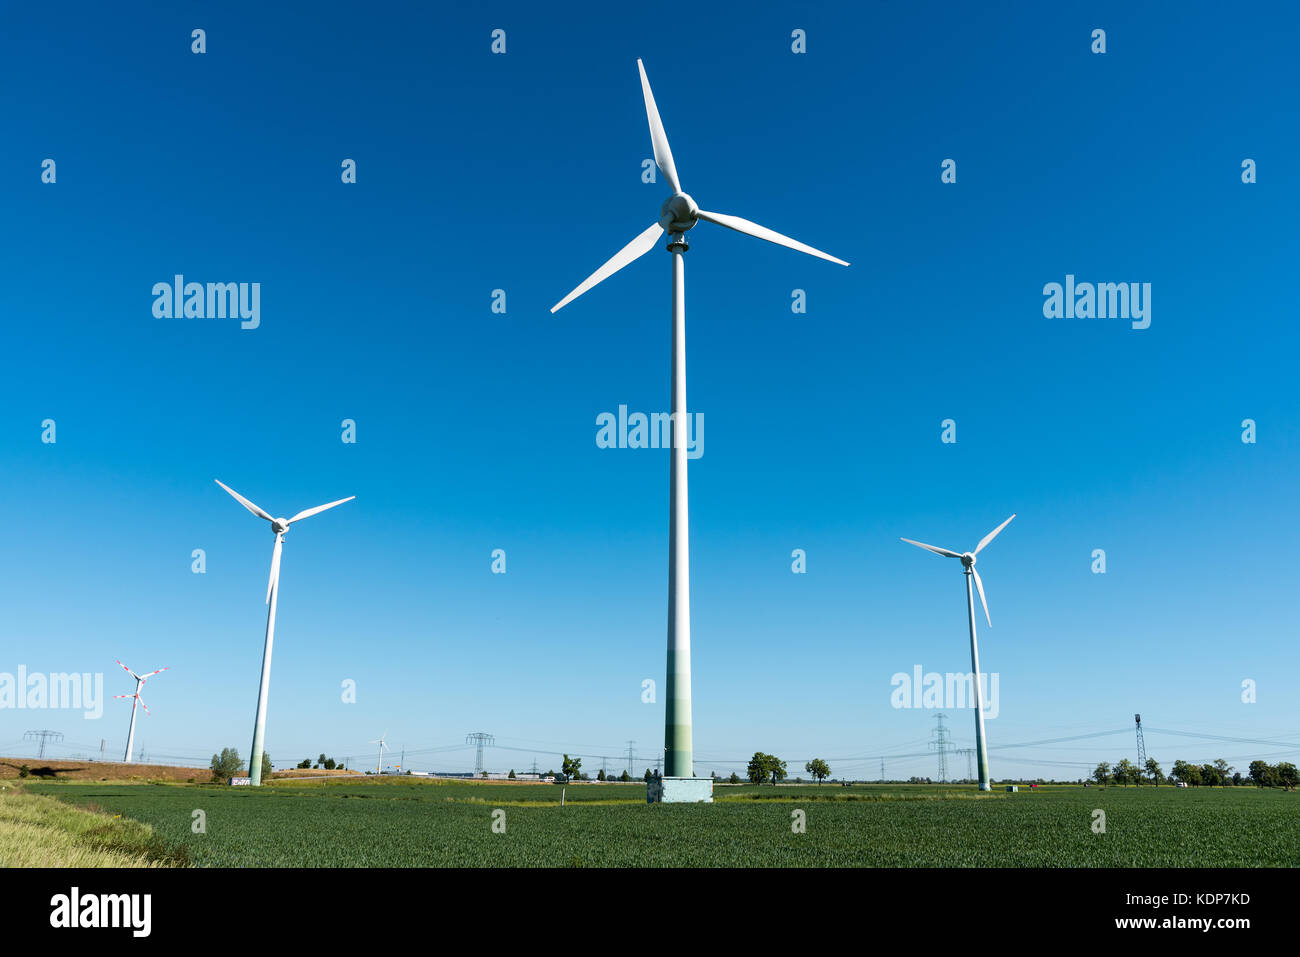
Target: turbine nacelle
968, 560
279, 525
679, 213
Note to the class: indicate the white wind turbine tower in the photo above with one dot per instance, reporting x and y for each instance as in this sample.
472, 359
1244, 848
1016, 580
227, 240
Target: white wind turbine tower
379, 768
678, 214
136, 700
968, 563
279, 526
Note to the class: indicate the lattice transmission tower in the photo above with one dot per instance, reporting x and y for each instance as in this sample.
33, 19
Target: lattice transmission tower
480, 739
43, 735
942, 745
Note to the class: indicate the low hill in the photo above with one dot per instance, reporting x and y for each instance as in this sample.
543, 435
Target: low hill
45, 769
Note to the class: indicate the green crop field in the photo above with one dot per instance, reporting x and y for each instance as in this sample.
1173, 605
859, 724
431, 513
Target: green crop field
404, 823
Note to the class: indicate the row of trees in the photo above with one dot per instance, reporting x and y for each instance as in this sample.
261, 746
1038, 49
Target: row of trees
328, 764
768, 767
227, 765
1216, 774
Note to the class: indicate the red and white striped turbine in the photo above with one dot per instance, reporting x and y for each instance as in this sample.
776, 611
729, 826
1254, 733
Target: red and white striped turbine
136, 700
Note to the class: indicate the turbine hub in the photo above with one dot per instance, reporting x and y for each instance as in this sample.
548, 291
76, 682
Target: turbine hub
280, 526
678, 213
968, 560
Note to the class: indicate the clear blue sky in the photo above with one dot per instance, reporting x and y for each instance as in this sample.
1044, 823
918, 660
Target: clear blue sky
477, 431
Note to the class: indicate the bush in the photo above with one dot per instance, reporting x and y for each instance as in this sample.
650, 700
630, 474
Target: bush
24, 771
225, 765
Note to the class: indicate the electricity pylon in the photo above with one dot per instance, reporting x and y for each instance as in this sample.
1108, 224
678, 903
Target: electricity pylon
479, 738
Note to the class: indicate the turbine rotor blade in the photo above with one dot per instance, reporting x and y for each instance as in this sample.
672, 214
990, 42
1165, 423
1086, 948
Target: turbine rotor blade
143, 705
273, 582
658, 138
629, 253
934, 548
991, 535
762, 232
152, 673
309, 512
123, 696
127, 670
979, 586
244, 502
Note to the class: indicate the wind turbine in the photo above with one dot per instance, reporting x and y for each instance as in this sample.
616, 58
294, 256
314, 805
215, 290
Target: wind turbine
379, 768
968, 563
678, 214
136, 700
279, 526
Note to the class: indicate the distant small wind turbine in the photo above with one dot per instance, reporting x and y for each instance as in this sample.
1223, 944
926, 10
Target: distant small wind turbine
137, 700
968, 563
678, 214
379, 768
279, 526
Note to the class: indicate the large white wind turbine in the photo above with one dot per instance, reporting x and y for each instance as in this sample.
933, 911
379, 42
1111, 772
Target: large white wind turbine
678, 214
279, 526
379, 768
968, 563
136, 700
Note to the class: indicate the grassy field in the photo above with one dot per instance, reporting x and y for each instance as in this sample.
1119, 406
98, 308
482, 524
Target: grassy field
401, 822
39, 831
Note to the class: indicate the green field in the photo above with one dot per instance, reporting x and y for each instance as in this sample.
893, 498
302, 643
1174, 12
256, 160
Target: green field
404, 823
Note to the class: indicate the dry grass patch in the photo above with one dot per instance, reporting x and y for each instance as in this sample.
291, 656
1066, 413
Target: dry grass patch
38, 831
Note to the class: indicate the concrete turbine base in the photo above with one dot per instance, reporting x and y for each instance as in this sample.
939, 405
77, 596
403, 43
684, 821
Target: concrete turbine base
668, 790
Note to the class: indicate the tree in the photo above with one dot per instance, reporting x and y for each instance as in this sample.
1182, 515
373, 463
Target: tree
225, 765
266, 765
1210, 775
1285, 774
734, 779
776, 767
329, 764
647, 775
1125, 771
304, 763
1154, 772
764, 766
1261, 773
511, 775
625, 777
1102, 772
1189, 774
819, 769
570, 767
600, 775
1224, 770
